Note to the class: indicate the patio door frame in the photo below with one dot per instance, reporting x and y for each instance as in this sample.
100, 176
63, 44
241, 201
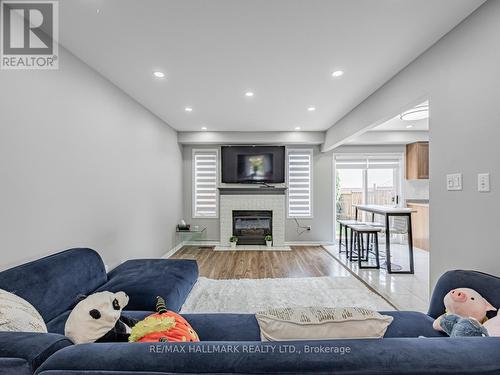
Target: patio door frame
398, 177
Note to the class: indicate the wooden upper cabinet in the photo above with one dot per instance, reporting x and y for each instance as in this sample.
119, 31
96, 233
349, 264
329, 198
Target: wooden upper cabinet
417, 161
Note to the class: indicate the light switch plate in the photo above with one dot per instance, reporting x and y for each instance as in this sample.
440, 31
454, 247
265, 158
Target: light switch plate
483, 182
454, 181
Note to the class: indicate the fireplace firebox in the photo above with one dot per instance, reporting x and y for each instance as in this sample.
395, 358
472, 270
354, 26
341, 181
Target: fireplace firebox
251, 227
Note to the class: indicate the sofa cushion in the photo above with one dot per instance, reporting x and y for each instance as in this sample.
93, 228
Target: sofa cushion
52, 284
225, 327
145, 279
486, 285
24, 352
410, 324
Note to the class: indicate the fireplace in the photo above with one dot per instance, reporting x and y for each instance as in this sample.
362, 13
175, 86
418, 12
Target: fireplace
251, 227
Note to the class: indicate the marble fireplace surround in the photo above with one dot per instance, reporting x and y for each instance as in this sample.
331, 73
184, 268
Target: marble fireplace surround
252, 199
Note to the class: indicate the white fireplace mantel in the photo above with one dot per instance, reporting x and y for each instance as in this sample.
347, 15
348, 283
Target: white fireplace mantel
252, 202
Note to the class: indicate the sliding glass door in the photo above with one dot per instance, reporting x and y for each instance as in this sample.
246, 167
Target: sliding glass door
366, 179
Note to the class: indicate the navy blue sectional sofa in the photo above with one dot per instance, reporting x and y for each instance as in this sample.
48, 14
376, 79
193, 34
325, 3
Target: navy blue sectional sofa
230, 342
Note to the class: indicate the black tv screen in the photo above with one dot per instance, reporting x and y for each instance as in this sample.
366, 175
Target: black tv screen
259, 164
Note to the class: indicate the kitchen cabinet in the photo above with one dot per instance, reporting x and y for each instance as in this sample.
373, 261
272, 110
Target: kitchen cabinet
420, 225
417, 161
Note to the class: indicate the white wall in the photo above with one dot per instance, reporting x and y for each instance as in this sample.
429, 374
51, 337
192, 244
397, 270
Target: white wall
460, 76
82, 164
321, 223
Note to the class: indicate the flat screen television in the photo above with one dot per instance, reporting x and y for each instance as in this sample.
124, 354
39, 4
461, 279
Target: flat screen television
253, 165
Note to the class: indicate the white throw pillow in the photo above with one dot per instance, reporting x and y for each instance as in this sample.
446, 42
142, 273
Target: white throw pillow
18, 315
321, 323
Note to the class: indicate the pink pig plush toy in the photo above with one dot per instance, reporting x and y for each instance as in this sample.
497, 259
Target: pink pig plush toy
466, 303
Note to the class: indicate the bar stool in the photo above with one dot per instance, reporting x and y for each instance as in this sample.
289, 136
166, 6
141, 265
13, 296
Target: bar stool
344, 226
357, 232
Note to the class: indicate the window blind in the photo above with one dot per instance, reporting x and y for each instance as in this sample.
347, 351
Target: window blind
367, 161
205, 177
299, 182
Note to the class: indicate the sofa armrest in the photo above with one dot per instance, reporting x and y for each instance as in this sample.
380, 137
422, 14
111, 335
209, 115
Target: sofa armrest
487, 285
24, 352
474, 355
145, 279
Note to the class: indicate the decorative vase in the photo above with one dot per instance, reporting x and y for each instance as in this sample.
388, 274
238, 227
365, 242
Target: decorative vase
269, 243
233, 245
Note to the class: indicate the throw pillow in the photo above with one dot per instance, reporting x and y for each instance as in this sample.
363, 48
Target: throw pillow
18, 315
321, 323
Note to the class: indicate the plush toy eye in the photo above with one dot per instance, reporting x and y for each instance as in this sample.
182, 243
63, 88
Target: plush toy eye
116, 304
472, 298
95, 314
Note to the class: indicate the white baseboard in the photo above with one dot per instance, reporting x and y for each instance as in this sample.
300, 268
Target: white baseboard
201, 243
171, 252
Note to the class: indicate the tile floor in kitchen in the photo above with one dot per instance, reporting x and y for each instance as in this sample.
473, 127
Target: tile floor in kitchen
405, 291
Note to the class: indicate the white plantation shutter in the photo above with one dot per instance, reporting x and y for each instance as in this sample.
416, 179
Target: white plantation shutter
300, 182
205, 179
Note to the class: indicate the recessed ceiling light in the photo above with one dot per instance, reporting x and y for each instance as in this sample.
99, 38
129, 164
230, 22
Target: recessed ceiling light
98, 11
297, 128
337, 73
159, 74
188, 109
311, 109
409, 126
249, 94
203, 128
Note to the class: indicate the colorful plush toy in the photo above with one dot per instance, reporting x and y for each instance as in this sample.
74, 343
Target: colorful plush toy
164, 326
465, 313
456, 326
97, 318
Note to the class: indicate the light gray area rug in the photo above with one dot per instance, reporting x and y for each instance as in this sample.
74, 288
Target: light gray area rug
252, 295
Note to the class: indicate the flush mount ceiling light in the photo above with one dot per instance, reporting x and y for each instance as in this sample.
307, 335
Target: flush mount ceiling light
338, 73
297, 128
311, 109
188, 109
409, 126
203, 128
420, 112
158, 74
249, 94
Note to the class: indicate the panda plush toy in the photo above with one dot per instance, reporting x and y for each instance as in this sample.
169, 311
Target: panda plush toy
97, 318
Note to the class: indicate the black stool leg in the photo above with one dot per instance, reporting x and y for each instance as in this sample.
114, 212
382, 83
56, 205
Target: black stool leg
360, 243
346, 230
351, 242
340, 238
376, 250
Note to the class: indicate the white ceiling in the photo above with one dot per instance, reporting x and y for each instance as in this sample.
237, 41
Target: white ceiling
396, 124
213, 51
394, 132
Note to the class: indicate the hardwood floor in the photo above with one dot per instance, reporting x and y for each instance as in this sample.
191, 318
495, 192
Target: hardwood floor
302, 261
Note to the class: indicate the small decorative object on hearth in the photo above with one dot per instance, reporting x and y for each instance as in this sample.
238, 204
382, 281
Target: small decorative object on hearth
233, 240
269, 240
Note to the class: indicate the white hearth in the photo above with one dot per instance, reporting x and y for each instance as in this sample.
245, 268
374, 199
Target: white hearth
252, 202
